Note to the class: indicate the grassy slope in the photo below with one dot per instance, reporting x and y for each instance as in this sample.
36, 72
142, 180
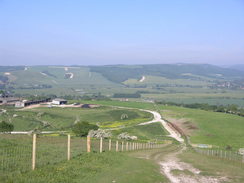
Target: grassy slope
160, 79
145, 132
213, 166
209, 166
82, 80
213, 128
94, 167
157, 80
63, 118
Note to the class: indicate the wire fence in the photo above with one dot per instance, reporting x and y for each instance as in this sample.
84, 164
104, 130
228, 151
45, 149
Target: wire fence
21, 153
223, 154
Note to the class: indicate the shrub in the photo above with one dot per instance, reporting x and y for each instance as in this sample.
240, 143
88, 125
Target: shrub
100, 134
6, 127
82, 128
126, 136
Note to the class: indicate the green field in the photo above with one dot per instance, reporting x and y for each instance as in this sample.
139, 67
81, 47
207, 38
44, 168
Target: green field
138, 166
203, 127
57, 118
206, 127
95, 167
232, 172
154, 131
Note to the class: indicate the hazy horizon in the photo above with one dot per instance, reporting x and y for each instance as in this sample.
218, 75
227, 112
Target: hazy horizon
121, 32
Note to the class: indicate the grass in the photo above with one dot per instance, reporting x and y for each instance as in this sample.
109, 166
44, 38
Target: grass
63, 118
94, 167
209, 166
154, 131
213, 128
213, 166
201, 96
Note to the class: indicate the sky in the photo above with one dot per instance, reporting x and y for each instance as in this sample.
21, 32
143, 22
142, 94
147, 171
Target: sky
95, 32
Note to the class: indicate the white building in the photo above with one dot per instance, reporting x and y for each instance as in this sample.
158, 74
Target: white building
59, 101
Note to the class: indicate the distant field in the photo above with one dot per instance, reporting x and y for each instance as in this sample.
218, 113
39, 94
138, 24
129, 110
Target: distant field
182, 83
206, 127
157, 80
210, 98
63, 118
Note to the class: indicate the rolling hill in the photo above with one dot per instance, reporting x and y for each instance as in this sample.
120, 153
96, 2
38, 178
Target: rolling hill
208, 83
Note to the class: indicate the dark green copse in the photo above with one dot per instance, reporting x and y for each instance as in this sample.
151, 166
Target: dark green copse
82, 128
6, 127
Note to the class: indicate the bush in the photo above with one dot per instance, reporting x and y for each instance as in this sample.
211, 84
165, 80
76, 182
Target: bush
6, 127
100, 134
126, 136
82, 128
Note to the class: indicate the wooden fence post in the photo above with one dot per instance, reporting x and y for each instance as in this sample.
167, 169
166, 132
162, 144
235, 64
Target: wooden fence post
68, 147
101, 145
117, 146
109, 145
34, 152
122, 146
88, 143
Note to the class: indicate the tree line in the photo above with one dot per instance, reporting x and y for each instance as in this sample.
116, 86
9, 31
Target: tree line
231, 109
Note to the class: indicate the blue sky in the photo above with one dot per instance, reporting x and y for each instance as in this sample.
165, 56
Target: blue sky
121, 32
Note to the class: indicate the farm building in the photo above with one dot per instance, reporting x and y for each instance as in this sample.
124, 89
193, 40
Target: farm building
59, 101
8, 100
25, 103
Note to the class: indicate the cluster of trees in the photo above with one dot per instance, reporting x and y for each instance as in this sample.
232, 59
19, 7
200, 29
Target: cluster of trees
6, 127
82, 129
231, 109
127, 95
97, 96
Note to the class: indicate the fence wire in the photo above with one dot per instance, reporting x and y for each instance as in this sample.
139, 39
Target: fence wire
223, 154
16, 150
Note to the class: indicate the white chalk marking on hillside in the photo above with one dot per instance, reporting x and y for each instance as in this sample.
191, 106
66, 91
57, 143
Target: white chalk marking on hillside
44, 74
7, 73
142, 79
71, 75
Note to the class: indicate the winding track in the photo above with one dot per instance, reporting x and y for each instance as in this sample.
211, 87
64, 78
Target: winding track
156, 118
